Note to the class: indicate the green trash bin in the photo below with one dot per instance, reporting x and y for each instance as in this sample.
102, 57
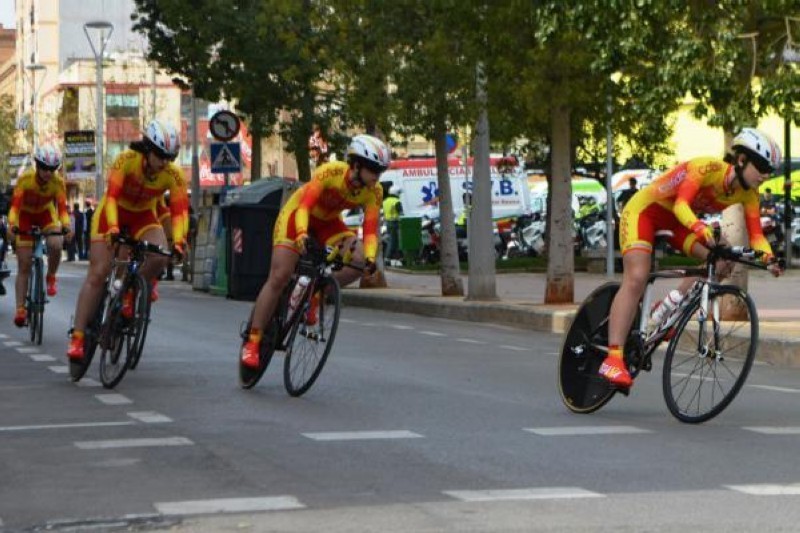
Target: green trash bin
410, 237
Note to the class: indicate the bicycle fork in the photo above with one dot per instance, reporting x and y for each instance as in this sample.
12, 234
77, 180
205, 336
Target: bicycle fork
708, 346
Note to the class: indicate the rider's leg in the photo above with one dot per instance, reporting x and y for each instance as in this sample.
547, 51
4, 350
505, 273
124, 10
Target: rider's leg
636, 269
55, 245
155, 264
348, 275
90, 293
24, 262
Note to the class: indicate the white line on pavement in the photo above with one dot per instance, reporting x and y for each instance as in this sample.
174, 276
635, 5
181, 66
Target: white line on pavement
12, 343
88, 382
774, 430
433, 333
3, 336
150, 417
516, 348
66, 426
363, 435
775, 389
113, 399
469, 341
766, 489
229, 505
59, 369
544, 493
42, 357
27, 349
401, 326
133, 443
586, 430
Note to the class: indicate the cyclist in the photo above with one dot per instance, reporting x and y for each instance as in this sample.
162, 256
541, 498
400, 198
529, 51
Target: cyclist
316, 209
39, 199
137, 180
701, 185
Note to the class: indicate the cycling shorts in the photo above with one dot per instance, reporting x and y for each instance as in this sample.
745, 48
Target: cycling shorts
135, 223
46, 220
637, 229
327, 232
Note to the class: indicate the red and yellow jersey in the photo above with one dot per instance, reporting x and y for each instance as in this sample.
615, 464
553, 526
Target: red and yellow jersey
329, 193
31, 196
131, 189
703, 185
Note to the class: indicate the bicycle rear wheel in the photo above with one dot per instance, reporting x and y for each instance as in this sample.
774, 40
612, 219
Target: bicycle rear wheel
582, 389
709, 358
36, 302
113, 362
137, 330
248, 377
311, 339
77, 369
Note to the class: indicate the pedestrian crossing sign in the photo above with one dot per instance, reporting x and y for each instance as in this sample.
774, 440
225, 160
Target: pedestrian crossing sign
226, 157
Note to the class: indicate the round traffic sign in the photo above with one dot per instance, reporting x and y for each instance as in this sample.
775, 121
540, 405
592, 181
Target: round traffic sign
224, 125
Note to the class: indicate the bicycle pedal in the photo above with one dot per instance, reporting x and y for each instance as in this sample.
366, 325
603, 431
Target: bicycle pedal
625, 391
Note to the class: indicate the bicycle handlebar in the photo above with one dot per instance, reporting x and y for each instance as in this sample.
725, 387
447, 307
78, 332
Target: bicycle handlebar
35, 231
127, 240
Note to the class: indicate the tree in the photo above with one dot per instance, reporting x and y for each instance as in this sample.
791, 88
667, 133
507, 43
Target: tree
7, 136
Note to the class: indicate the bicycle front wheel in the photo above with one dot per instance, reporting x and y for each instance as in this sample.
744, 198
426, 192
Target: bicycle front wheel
709, 357
36, 302
311, 338
582, 389
137, 326
113, 363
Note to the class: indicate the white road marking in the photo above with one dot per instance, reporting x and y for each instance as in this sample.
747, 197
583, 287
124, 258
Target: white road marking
433, 333
363, 435
774, 430
586, 430
516, 348
469, 341
544, 493
59, 369
88, 382
113, 399
27, 349
3, 336
229, 505
12, 343
42, 357
402, 326
775, 389
150, 417
133, 443
65, 426
766, 489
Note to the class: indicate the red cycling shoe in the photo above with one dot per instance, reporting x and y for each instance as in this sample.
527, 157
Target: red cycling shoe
613, 369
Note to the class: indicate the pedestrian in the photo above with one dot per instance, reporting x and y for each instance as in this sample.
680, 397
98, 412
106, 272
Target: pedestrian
87, 230
79, 228
628, 193
70, 246
392, 209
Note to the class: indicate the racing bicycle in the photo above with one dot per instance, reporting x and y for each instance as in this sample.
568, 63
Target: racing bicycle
306, 330
120, 335
711, 341
35, 297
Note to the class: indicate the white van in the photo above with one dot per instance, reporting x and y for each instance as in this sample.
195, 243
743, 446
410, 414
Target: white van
419, 189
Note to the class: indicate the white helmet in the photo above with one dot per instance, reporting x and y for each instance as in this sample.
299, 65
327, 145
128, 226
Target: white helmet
371, 151
47, 155
756, 143
164, 139
394, 190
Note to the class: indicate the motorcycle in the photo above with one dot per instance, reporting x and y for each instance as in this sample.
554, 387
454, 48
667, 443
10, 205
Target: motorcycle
431, 241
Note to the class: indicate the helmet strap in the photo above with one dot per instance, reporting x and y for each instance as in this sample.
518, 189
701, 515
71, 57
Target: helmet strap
738, 169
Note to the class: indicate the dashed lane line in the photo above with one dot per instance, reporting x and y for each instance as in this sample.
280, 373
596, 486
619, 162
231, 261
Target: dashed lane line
774, 389
767, 489
27, 349
59, 369
774, 430
42, 357
113, 399
586, 430
543, 493
88, 382
133, 443
229, 505
150, 417
402, 326
433, 333
9, 429
362, 435
515, 348
12, 344
469, 341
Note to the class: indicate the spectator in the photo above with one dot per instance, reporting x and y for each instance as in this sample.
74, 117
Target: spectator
768, 207
392, 209
88, 228
318, 146
627, 193
71, 247
79, 228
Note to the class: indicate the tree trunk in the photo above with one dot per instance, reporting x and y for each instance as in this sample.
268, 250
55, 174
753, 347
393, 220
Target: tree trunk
482, 282
451, 279
560, 254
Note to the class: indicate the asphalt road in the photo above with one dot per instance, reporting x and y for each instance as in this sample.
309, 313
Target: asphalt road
416, 424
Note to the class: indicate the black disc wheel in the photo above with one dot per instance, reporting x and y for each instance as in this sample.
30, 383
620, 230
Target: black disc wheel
137, 327
114, 359
78, 368
249, 376
709, 356
311, 339
36, 303
582, 389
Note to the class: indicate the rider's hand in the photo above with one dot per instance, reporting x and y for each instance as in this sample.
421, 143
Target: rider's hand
370, 267
704, 233
112, 231
14, 229
774, 266
68, 235
301, 243
179, 249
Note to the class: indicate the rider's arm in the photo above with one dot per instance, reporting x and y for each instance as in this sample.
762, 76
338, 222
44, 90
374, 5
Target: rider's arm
178, 206
16, 205
61, 205
752, 219
370, 226
116, 179
687, 191
311, 193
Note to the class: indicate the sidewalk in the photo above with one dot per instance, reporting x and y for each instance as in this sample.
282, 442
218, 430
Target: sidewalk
520, 297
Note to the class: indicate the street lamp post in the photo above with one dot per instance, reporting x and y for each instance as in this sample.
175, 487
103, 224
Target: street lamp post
790, 55
101, 27
33, 69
